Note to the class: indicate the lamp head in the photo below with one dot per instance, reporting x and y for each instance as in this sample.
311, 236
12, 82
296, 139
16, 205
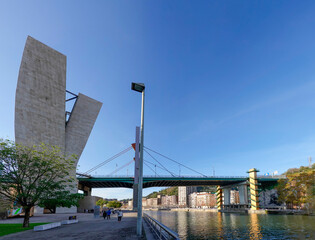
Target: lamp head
139, 87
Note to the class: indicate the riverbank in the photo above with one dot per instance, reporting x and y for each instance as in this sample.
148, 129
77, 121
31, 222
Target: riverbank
195, 209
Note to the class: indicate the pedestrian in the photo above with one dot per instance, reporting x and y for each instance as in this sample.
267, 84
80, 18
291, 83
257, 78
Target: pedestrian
104, 214
120, 215
108, 213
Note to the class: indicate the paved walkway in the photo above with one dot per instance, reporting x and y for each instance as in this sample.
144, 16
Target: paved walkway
87, 228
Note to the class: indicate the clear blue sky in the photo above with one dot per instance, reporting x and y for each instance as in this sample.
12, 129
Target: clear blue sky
230, 84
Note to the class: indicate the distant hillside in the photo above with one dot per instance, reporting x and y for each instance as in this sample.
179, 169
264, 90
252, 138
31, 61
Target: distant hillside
211, 189
174, 191
168, 191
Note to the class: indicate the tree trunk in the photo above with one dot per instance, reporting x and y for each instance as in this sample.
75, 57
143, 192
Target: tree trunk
26, 222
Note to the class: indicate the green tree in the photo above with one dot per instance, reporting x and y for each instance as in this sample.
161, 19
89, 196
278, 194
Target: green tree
114, 204
101, 202
168, 191
60, 199
298, 188
34, 175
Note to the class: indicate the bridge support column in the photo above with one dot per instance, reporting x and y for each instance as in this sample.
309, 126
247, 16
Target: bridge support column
227, 197
135, 197
242, 189
219, 197
87, 191
253, 186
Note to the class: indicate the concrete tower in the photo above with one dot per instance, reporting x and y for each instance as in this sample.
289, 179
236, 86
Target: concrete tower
40, 104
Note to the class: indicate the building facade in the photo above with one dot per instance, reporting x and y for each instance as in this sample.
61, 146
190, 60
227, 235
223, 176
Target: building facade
202, 200
40, 106
183, 195
234, 197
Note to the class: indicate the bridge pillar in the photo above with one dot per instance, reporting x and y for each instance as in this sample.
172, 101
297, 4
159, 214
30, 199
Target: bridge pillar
242, 190
135, 197
87, 191
253, 186
227, 197
219, 197
136, 178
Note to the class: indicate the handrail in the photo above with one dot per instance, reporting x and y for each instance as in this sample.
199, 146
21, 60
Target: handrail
160, 230
182, 176
272, 176
163, 176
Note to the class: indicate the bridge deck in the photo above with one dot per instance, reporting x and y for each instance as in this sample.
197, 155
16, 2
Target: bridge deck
127, 182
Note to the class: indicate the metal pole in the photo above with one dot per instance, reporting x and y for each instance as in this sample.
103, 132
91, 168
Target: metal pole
136, 178
139, 217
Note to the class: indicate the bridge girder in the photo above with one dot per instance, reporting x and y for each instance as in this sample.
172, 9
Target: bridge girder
166, 182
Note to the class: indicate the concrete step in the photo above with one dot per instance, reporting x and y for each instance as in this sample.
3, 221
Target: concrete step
47, 226
69, 221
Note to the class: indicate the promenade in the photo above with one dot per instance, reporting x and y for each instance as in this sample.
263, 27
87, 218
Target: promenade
88, 227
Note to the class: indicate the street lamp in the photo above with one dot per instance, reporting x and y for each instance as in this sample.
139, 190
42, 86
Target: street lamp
139, 87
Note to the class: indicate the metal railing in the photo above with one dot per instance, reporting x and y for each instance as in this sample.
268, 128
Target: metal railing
159, 230
158, 177
272, 176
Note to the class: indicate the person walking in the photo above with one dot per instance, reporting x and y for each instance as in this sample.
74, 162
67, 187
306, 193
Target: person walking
104, 214
108, 213
120, 215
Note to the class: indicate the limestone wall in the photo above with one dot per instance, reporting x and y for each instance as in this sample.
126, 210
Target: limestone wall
88, 203
40, 96
40, 105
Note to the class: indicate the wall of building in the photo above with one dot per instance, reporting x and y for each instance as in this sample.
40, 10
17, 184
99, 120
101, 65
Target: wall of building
183, 193
87, 203
202, 200
40, 105
269, 199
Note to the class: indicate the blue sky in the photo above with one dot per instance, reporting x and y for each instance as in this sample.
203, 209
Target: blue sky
230, 84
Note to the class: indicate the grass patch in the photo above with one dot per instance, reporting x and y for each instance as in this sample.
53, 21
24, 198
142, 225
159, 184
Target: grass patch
8, 228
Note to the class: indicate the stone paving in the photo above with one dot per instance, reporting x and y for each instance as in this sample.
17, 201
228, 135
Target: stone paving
88, 227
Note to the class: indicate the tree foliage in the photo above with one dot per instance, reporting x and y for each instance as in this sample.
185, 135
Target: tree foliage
298, 189
211, 189
60, 199
114, 204
101, 202
32, 175
168, 191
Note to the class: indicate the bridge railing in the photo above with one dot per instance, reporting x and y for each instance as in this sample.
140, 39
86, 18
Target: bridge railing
160, 176
271, 176
159, 230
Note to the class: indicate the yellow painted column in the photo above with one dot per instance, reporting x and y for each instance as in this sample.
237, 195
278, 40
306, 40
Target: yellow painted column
219, 197
253, 186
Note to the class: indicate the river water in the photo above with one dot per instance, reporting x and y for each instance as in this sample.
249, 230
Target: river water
213, 225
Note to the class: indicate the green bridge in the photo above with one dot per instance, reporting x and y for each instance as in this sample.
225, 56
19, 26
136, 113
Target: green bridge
151, 181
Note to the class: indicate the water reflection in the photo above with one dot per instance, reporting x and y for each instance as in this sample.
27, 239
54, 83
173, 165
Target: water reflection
211, 225
254, 227
220, 225
182, 219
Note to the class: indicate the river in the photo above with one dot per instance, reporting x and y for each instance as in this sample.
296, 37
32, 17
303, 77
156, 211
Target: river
213, 225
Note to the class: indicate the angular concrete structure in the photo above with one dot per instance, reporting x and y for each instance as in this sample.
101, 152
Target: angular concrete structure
40, 104
40, 96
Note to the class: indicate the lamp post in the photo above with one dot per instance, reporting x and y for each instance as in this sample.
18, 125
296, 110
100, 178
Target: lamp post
139, 87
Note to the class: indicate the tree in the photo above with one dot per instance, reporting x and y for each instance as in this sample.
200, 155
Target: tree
60, 199
168, 191
298, 188
114, 204
34, 175
101, 202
